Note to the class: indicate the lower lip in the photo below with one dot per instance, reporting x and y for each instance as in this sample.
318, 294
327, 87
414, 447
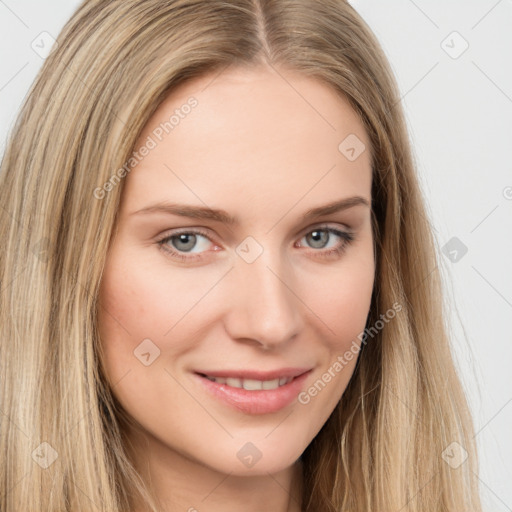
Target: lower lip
262, 401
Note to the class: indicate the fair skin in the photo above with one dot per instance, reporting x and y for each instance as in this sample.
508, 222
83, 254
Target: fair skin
265, 150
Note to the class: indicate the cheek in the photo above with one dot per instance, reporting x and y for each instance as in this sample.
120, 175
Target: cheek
130, 311
341, 295
139, 301
340, 302
143, 301
345, 305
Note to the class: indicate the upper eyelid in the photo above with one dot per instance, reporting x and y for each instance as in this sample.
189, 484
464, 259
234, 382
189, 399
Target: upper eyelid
205, 231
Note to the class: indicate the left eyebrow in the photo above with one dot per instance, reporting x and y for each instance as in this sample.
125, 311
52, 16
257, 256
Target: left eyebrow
201, 212
335, 206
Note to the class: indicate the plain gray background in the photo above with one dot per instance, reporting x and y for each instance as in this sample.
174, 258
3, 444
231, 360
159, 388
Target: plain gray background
453, 63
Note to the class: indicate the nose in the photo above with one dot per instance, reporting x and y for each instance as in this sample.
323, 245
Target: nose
263, 307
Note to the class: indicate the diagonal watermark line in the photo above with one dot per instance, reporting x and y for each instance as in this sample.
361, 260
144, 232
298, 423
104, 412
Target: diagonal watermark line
12, 216
6, 285
112, 316
284, 488
16, 484
166, 166
121, 379
427, 216
90, 408
300, 199
215, 77
506, 506
424, 14
281, 422
416, 84
77, 423
191, 395
486, 14
303, 97
419, 490
406, 405
86, 495
491, 286
301, 300
7, 7
501, 409
211, 288
217, 486
484, 218
424, 279
76, 281
15, 424
14, 76
492, 81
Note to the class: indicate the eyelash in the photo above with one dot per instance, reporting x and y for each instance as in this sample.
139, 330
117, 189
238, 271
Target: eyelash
347, 236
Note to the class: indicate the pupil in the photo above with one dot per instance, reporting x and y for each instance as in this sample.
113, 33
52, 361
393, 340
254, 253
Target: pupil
318, 235
182, 238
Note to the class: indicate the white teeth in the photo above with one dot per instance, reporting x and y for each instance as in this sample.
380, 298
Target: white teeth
251, 384
233, 382
271, 384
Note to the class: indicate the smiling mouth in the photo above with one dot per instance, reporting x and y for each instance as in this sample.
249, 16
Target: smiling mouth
254, 391
250, 384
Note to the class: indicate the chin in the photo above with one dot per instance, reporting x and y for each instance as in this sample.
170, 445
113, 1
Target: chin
257, 458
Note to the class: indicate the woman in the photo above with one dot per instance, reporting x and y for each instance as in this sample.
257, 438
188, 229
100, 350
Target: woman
263, 371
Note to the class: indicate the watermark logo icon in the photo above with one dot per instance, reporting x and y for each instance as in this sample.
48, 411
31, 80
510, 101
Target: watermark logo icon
454, 45
454, 455
41, 249
454, 249
351, 147
249, 454
249, 250
44, 44
147, 352
45, 455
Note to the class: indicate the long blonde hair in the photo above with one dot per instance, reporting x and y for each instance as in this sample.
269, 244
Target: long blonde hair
115, 61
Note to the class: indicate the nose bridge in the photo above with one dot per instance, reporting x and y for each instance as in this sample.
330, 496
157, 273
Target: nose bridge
264, 306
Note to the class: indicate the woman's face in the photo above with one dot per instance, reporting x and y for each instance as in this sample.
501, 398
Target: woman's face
263, 297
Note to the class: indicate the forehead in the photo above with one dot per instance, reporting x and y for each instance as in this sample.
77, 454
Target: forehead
252, 137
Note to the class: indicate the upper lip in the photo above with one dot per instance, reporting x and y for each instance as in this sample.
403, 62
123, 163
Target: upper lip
255, 374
